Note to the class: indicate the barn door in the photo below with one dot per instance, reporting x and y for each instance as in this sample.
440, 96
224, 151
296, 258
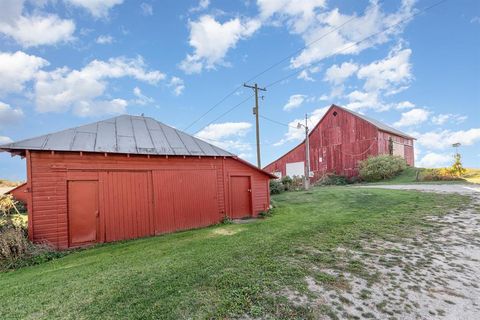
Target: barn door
82, 212
240, 195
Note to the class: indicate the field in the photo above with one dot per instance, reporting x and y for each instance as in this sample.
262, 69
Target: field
272, 267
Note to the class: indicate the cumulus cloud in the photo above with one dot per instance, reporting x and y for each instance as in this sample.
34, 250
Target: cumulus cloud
16, 69
202, 5
5, 140
434, 160
344, 40
383, 77
294, 102
147, 9
337, 74
228, 135
9, 115
212, 40
141, 99
62, 89
295, 134
97, 8
448, 117
104, 39
441, 140
413, 117
31, 30
177, 85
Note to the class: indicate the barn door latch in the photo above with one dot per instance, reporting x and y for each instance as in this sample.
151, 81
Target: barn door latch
249, 190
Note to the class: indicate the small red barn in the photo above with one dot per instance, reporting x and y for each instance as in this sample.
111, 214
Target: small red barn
339, 141
130, 177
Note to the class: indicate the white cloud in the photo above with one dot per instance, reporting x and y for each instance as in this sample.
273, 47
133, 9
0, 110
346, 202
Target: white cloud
434, 160
294, 102
389, 73
33, 29
412, 117
16, 69
202, 5
177, 85
5, 140
440, 140
343, 40
444, 118
147, 9
62, 89
97, 8
475, 19
386, 76
306, 74
404, 105
299, 15
141, 98
9, 115
295, 134
228, 135
104, 39
338, 74
211, 41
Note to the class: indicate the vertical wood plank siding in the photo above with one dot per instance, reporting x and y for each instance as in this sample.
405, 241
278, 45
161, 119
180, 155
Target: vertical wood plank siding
338, 143
136, 192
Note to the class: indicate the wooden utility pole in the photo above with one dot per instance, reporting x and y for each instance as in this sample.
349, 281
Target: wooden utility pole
255, 112
307, 155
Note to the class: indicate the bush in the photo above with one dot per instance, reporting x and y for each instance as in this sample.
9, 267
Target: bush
276, 187
287, 183
332, 180
381, 167
17, 251
442, 174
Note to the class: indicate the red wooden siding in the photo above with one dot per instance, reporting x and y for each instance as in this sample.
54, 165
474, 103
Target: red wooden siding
338, 143
138, 195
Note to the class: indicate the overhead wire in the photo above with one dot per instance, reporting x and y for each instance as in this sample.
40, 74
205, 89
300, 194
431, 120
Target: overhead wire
270, 68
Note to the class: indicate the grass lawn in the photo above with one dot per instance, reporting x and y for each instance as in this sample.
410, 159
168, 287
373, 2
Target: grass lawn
224, 271
408, 176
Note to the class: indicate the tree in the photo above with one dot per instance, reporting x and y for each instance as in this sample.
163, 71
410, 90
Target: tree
457, 168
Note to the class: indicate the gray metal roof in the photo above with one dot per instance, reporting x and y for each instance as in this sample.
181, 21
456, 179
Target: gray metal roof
122, 134
380, 125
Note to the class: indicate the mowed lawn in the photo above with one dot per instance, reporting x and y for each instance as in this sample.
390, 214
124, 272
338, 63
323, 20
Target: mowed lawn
225, 271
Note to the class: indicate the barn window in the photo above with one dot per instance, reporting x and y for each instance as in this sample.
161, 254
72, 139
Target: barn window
335, 113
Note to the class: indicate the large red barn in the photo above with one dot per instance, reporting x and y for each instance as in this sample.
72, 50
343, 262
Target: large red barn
339, 141
130, 177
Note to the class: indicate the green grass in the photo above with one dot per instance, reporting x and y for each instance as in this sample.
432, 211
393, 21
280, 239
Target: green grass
224, 271
408, 176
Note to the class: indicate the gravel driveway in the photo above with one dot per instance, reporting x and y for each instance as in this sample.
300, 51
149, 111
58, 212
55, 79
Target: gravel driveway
435, 275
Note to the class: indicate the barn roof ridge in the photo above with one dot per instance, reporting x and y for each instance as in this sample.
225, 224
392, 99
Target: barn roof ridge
126, 134
380, 125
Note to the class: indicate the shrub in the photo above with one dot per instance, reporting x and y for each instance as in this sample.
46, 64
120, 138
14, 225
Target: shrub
8, 205
332, 180
442, 174
287, 183
457, 168
276, 187
381, 167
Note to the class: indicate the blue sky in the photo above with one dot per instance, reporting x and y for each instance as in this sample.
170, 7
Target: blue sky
65, 63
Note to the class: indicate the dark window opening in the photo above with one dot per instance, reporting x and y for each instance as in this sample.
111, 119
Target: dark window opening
335, 113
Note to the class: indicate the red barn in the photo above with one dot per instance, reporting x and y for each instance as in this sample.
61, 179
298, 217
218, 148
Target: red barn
339, 141
130, 177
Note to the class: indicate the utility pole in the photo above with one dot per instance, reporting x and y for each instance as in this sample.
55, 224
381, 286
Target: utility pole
307, 155
306, 178
255, 112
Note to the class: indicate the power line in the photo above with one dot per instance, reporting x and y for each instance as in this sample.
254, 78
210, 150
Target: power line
277, 122
272, 67
226, 112
358, 42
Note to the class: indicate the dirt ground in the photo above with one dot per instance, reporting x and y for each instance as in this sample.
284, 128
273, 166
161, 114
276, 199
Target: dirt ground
435, 275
